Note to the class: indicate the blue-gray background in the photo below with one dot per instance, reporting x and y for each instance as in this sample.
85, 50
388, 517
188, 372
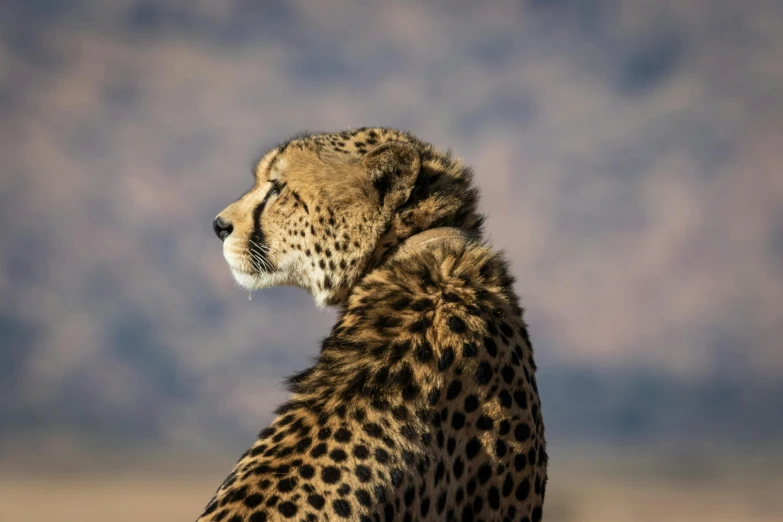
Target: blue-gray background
630, 157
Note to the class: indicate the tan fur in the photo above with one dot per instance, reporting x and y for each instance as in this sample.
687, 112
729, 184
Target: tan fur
422, 403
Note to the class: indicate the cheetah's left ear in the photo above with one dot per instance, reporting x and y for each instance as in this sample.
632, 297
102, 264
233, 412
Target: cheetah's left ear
393, 168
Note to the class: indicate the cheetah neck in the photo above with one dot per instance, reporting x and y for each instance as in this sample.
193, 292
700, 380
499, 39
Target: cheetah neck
416, 242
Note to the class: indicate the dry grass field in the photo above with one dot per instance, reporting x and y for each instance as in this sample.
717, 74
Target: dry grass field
584, 487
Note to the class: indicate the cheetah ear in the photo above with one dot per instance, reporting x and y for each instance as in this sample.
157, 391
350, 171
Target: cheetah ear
393, 168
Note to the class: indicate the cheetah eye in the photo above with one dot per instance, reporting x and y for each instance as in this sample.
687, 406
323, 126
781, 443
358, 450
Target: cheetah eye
277, 186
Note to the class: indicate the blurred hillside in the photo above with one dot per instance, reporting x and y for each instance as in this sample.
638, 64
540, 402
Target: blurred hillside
629, 157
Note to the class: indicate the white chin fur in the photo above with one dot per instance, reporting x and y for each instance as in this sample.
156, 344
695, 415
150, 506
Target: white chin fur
246, 281
259, 281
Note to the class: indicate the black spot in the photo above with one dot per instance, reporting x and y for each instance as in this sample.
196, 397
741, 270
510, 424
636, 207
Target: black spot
508, 374
410, 392
421, 305
459, 468
373, 430
456, 324
359, 414
266, 433
258, 516
477, 504
287, 509
483, 373
505, 398
457, 420
342, 435
307, 471
491, 328
505, 427
344, 489
450, 297
446, 359
388, 513
253, 500
491, 346
537, 513
451, 445
523, 490
409, 432
286, 485
409, 495
381, 455
419, 326
440, 469
302, 445
331, 474
441, 505
508, 485
472, 448
364, 497
338, 455
401, 303
521, 399
484, 473
469, 350
454, 388
520, 462
318, 451
381, 376
424, 507
324, 433
384, 321
522, 432
363, 473
471, 403
467, 513
400, 413
424, 352
342, 508
531, 456
361, 452
316, 500
484, 423
500, 448
396, 476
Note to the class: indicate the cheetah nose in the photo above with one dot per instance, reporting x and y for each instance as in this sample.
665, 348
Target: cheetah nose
222, 228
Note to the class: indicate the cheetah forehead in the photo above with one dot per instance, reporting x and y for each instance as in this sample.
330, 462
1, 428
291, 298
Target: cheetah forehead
347, 145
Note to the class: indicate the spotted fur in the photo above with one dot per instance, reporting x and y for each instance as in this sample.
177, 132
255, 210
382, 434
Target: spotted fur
422, 403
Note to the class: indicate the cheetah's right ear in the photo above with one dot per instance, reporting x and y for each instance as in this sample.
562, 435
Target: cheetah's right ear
393, 168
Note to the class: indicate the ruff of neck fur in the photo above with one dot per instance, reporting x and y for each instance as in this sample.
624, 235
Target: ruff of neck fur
433, 235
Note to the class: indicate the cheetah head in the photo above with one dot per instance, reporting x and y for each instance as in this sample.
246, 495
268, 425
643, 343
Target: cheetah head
324, 209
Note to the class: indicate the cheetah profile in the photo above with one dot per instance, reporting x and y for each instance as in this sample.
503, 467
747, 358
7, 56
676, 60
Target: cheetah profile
422, 403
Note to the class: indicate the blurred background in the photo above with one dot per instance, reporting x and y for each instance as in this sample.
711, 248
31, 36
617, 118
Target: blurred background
630, 157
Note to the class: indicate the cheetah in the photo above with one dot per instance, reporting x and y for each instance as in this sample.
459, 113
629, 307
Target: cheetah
422, 403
